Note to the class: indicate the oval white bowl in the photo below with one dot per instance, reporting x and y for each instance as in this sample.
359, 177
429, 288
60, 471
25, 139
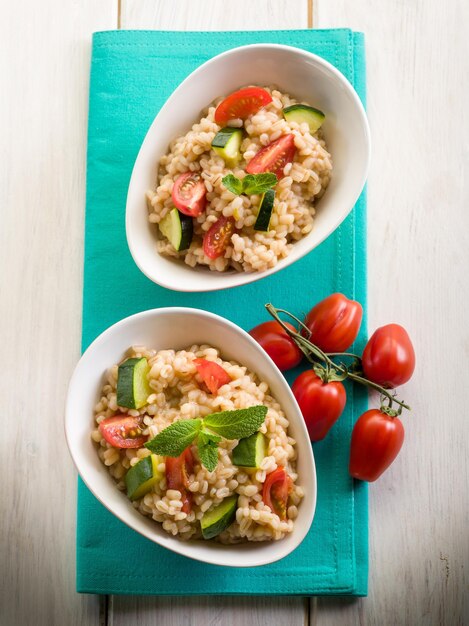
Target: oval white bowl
176, 328
303, 75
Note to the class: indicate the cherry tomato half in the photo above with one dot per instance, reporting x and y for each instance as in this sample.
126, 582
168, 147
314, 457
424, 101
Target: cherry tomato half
123, 431
279, 346
217, 238
189, 194
321, 403
212, 374
241, 104
273, 157
178, 470
389, 357
376, 441
334, 322
275, 491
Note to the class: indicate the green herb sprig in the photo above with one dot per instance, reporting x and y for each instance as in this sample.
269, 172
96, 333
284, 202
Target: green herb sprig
250, 184
209, 431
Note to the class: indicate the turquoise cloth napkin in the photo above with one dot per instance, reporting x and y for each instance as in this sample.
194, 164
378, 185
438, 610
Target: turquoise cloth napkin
132, 74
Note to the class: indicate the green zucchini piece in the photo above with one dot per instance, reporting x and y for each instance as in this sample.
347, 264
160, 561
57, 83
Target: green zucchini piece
140, 478
132, 383
250, 451
227, 143
266, 209
301, 113
218, 518
178, 229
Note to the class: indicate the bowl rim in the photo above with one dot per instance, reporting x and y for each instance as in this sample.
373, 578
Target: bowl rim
237, 279
175, 545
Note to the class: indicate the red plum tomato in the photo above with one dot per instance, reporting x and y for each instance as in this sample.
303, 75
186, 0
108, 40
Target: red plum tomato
321, 403
389, 357
376, 440
334, 323
278, 344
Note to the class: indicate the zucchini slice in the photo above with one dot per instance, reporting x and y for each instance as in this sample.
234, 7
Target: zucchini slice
265, 211
302, 113
178, 229
250, 451
140, 478
218, 518
227, 143
132, 383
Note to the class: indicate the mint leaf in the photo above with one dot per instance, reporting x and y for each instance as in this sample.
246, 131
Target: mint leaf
173, 440
258, 183
251, 184
233, 184
236, 424
207, 447
205, 435
208, 456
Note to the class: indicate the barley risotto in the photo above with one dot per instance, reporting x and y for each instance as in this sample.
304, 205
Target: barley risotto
199, 445
238, 189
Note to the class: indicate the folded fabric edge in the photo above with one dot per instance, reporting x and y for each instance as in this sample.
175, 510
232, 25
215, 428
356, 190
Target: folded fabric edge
361, 281
110, 589
123, 33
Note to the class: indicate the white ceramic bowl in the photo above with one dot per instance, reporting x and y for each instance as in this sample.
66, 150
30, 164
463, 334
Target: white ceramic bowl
303, 75
178, 328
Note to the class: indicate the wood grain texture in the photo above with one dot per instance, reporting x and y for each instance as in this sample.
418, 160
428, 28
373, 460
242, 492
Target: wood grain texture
210, 610
418, 242
418, 259
214, 14
44, 66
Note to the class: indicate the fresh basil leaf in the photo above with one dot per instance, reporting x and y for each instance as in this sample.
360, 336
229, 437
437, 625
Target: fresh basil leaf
233, 184
258, 183
173, 440
207, 447
238, 423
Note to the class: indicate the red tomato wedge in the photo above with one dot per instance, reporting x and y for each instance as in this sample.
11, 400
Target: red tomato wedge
217, 238
273, 157
275, 492
189, 194
241, 104
178, 470
123, 431
212, 374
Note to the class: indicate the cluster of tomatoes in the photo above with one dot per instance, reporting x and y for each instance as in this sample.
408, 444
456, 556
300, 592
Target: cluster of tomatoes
388, 360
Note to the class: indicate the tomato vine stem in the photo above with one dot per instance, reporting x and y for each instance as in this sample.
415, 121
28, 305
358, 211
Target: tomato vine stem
313, 353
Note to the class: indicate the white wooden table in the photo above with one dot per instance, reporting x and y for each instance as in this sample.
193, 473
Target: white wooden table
418, 275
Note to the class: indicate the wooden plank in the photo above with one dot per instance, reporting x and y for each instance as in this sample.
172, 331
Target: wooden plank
204, 610
310, 9
44, 68
214, 15
195, 611
418, 259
